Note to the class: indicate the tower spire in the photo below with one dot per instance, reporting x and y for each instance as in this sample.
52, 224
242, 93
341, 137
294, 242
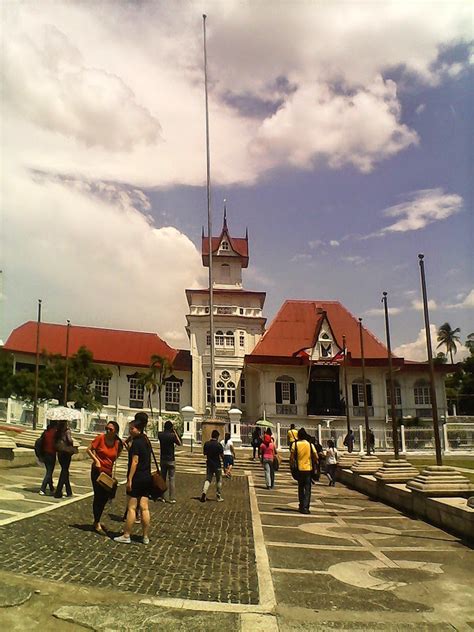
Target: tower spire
224, 226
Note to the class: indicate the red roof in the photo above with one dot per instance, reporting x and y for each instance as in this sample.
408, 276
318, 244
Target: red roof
109, 346
297, 325
239, 245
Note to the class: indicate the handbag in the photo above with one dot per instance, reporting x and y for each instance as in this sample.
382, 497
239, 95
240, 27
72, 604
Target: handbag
295, 473
109, 483
62, 446
276, 462
158, 483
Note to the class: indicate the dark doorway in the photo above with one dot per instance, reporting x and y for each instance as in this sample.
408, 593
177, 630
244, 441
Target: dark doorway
323, 396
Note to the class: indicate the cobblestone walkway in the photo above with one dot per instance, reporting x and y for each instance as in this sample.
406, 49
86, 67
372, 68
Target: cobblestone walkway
197, 551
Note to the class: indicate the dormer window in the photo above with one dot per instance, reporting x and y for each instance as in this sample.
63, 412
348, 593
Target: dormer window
225, 245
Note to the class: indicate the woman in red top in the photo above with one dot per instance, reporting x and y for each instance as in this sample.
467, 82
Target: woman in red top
104, 451
268, 452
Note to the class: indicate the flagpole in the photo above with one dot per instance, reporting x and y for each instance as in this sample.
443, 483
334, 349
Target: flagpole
35, 396
390, 378
66, 367
346, 390
209, 229
364, 386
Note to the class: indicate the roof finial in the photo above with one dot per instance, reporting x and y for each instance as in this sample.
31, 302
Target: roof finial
224, 227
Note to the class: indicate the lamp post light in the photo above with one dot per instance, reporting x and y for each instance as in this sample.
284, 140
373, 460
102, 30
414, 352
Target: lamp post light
66, 368
434, 406
35, 396
364, 386
390, 378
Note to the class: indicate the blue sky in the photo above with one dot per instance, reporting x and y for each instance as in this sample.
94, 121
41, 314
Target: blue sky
341, 136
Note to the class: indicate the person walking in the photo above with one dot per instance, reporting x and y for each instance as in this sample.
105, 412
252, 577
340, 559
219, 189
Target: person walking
306, 457
256, 441
371, 441
168, 439
104, 450
229, 455
139, 483
349, 440
214, 453
48, 456
268, 452
64, 446
292, 435
331, 463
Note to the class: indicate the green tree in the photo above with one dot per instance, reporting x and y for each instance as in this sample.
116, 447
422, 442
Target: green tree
162, 368
440, 358
81, 378
6, 373
470, 343
449, 337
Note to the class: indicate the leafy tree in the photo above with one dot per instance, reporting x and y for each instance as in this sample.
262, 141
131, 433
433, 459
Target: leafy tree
470, 343
161, 368
6, 373
440, 358
82, 375
449, 337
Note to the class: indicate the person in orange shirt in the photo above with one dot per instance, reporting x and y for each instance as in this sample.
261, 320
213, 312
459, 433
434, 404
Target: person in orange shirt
104, 451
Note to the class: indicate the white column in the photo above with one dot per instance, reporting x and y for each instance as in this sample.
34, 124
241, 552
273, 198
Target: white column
320, 440
82, 427
189, 434
402, 439
9, 411
278, 442
361, 441
45, 410
235, 415
445, 438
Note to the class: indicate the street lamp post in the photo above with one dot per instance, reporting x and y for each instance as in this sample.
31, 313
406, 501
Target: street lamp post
434, 406
35, 396
66, 368
390, 378
346, 390
364, 386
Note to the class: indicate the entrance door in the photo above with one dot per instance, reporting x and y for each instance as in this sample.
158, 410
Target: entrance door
323, 396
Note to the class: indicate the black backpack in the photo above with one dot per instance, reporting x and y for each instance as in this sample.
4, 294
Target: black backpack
39, 448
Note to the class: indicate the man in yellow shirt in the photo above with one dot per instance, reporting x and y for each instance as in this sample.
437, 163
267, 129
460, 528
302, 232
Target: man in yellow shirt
304, 455
292, 435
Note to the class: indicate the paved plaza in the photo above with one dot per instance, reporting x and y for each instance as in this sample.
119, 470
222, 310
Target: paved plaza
251, 563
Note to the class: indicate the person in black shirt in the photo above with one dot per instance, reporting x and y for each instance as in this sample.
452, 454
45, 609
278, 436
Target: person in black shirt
139, 482
214, 452
168, 439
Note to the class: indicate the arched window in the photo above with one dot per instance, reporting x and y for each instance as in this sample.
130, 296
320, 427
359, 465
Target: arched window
285, 395
219, 338
220, 392
422, 393
225, 390
398, 393
229, 339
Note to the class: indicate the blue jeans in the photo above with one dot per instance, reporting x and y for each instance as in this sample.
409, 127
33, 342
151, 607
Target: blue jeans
49, 463
269, 472
64, 461
168, 469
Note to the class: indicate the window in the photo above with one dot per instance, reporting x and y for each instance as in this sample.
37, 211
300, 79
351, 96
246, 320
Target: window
326, 350
422, 393
358, 398
242, 389
225, 390
398, 394
219, 338
241, 311
172, 393
229, 339
225, 245
208, 338
136, 393
285, 395
242, 339
208, 390
102, 389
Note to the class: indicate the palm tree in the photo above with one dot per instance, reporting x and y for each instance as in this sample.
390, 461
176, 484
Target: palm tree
470, 343
161, 368
449, 337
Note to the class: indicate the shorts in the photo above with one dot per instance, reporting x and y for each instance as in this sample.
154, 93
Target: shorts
228, 460
140, 488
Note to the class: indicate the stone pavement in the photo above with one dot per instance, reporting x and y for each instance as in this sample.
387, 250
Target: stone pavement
251, 563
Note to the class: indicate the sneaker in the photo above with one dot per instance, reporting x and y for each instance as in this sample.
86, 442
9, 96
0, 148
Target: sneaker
123, 539
145, 540
172, 501
161, 499
203, 498
41, 492
220, 499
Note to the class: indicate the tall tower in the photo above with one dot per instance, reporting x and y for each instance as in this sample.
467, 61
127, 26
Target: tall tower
238, 324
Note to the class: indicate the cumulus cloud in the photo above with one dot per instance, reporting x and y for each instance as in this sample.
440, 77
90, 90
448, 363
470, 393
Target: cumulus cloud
417, 304
421, 209
334, 243
416, 350
93, 259
466, 302
379, 311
